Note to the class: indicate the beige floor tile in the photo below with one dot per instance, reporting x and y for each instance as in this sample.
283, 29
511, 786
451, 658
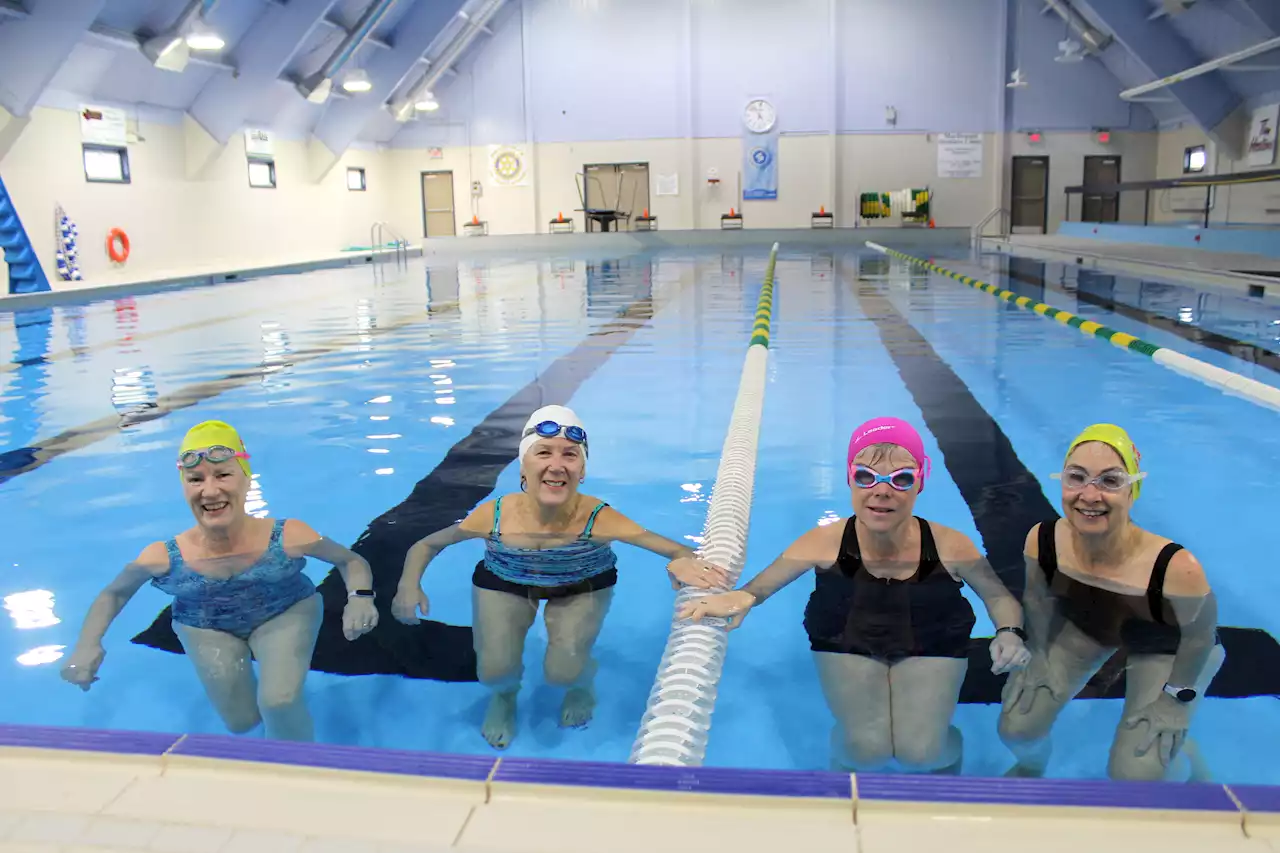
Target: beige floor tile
28, 847
36, 784
119, 832
263, 841
1263, 825
538, 823
50, 828
390, 809
8, 820
179, 838
887, 833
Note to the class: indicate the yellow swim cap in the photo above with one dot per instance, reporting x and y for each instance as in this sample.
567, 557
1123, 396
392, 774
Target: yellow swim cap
211, 433
1117, 439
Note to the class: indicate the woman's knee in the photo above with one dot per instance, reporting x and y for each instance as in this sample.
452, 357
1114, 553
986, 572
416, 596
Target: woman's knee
563, 667
1126, 765
280, 697
1016, 727
497, 672
922, 751
240, 721
864, 748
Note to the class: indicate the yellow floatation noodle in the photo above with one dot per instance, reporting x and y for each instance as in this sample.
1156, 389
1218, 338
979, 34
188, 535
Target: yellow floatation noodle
212, 433
1118, 440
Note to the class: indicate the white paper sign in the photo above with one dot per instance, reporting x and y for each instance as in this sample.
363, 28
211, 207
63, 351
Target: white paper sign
959, 155
1261, 147
103, 125
257, 143
667, 184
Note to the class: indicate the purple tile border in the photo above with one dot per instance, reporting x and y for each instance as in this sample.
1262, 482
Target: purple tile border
1257, 798
367, 759
706, 780
91, 740
1047, 792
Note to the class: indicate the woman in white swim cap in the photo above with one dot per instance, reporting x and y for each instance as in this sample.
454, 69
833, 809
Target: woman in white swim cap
548, 542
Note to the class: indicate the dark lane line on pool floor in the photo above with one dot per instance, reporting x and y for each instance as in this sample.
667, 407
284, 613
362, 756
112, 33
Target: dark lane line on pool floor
1217, 341
464, 478
22, 460
1006, 500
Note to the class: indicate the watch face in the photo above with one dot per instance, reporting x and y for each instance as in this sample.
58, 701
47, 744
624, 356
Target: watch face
759, 116
1186, 694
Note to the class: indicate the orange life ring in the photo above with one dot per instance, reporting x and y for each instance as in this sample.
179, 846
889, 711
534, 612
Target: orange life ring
118, 255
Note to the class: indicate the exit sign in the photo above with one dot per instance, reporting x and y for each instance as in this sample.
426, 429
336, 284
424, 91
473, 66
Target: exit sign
1035, 137
1102, 136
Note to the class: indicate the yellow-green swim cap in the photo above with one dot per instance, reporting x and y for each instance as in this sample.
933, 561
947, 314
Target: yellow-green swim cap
1117, 439
211, 433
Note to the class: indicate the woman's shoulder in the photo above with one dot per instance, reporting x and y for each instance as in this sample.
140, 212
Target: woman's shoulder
1184, 575
953, 545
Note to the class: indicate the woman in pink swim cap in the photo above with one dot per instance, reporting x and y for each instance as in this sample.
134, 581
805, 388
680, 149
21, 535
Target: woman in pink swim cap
887, 623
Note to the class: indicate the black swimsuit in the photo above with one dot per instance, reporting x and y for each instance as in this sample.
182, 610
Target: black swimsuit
851, 611
1142, 624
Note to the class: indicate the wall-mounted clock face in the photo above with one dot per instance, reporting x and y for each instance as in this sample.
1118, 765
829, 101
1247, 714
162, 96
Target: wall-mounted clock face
759, 116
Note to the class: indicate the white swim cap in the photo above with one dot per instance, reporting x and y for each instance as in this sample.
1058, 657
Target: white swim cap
556, 414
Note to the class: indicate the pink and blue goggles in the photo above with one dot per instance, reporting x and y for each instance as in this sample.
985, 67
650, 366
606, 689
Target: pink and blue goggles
217, 453
551, 429
867, 478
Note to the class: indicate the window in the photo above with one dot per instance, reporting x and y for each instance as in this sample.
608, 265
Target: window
106, 164
262, 174
1193, 160
355, 180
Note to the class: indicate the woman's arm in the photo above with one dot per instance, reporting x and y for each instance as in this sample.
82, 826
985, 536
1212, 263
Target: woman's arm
963, 560
818, 547
301, 540
81, 666
684, 563
475, 526
1196, 608
153, 561
1037, 600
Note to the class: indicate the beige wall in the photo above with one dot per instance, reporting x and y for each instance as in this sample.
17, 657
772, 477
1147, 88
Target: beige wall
1239, 204
1066, 153
178, 224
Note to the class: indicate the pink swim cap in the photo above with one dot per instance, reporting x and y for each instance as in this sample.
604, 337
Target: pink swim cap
888, 431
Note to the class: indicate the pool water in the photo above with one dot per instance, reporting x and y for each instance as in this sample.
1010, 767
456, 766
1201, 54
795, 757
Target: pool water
368, 405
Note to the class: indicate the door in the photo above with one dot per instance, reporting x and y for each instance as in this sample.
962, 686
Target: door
623, 187
437, 205
1100, 207
1029, 210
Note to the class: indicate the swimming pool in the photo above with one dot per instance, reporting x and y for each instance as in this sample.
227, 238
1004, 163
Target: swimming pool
368, 404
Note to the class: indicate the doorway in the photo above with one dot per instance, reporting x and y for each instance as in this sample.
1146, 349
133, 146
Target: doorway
1100, 169
437, 205
619, 187
1029, 210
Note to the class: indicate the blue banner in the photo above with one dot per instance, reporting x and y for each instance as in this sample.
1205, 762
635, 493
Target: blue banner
760, 165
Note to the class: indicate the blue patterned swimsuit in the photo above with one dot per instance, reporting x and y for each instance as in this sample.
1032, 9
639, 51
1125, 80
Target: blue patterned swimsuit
241, 603
546, 573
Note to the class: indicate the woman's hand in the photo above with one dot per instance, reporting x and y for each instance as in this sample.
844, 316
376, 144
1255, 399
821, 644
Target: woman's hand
1008, 652
697, 572
359, 617
408, 603
1167, 722
81, 669
731, 606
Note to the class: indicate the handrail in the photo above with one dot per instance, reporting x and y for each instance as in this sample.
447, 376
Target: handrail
976, 231
378, 233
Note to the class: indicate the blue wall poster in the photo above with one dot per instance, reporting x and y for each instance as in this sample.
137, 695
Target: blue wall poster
760, 165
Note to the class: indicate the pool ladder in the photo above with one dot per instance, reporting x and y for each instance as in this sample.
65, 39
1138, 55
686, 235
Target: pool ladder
378, 234
1001, 215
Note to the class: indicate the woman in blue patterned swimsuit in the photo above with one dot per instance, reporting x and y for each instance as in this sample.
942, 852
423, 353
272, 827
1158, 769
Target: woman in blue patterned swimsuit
239, 594
548, 543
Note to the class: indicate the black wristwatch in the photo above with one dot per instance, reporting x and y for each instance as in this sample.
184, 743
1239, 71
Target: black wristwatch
360, 593
1017, 632
1182, 694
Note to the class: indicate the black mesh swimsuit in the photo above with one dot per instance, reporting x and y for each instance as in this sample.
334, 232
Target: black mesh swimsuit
1142, 624
851, 611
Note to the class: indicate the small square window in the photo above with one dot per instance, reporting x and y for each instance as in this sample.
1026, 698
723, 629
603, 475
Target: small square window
106, 164
262, 174
1194, 159
355, 180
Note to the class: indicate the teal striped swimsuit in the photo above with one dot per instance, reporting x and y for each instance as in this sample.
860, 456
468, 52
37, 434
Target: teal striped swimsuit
577, 566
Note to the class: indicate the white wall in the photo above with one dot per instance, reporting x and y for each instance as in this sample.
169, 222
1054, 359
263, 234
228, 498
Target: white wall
1242, 204
178, 224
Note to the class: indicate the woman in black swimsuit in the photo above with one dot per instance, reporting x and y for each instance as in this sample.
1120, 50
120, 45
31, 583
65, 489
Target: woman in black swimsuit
1096, 582
887, 622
